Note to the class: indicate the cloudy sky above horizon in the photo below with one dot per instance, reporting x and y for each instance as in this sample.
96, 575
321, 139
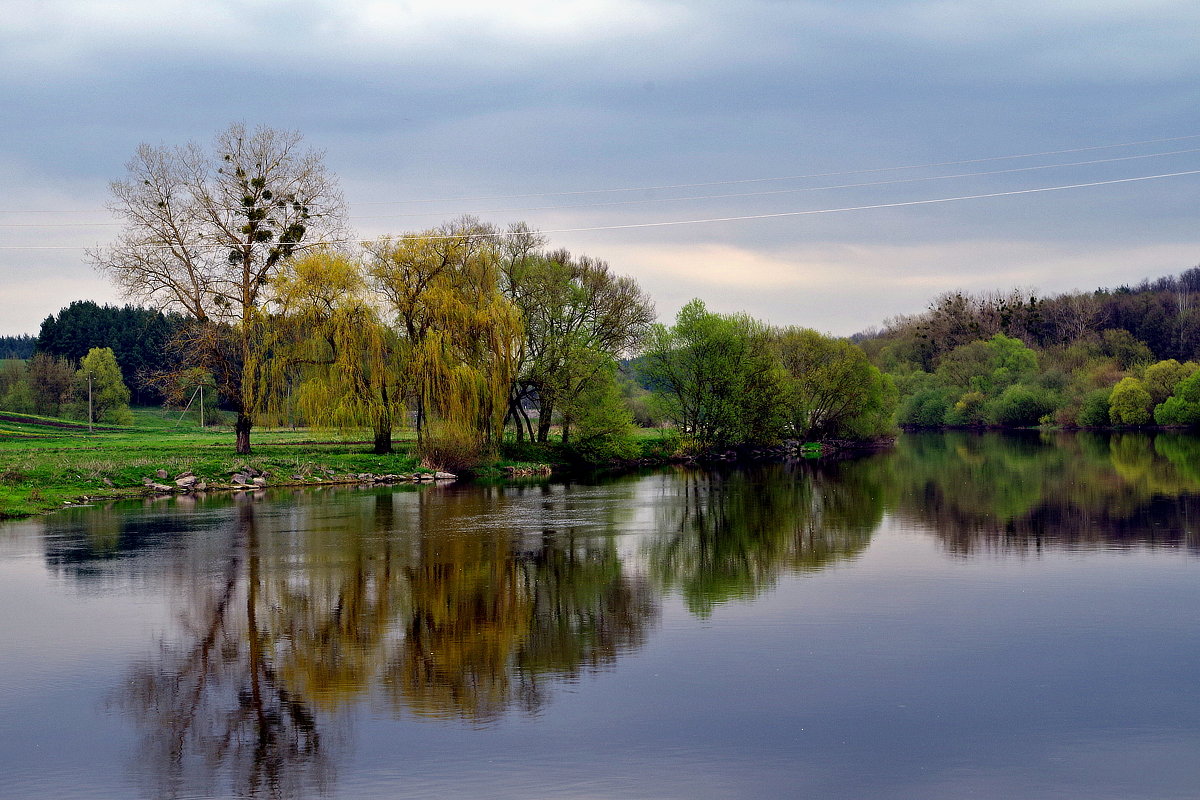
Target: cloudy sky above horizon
599, 114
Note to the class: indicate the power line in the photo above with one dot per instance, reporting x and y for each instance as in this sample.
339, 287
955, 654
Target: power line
797, 177
716, 183
793, 190
708, 220
734, 195
877, 205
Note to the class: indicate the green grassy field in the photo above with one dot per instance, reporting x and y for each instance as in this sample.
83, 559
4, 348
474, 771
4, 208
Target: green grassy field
46, 463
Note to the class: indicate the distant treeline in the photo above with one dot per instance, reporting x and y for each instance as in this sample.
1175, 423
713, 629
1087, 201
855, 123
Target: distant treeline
1162, 314
138, 337
17, 346
1120, 356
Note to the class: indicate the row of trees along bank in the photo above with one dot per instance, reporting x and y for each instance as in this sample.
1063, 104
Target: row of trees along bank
730, 380
1110, 357
469, 328
463, 326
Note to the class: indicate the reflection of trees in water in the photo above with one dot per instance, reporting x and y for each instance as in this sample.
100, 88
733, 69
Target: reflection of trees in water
729, 534
288, 617
88, 543
1025, 492
213, 708
498, 617
586, 613
465, 604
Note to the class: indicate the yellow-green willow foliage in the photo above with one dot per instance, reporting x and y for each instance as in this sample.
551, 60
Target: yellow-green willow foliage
460, 336
331, 350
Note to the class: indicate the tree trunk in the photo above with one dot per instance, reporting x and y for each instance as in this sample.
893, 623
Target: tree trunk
420, 422
242, 429
512, 414
383, 438
521, 418
383, 427
546, 414
526, 421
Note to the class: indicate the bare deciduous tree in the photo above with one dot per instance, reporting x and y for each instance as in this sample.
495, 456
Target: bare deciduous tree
204, 232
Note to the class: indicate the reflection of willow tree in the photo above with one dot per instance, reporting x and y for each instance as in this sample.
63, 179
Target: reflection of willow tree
730, 534
469, 613
494, 620
1004, 491
214, 707
295, 616
335, 624
585, 613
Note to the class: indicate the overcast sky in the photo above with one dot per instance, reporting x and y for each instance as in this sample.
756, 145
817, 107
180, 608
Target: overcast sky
556, 101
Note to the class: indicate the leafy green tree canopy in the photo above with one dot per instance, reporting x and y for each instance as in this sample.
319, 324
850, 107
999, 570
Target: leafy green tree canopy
988, 366
1182, 407
578, 318
459, 335
17, 346
110, 396
717, 377
332, 349
833, 390
50, 380
603, 422
1020, 405
1163, 377
1093, 413
1129, 403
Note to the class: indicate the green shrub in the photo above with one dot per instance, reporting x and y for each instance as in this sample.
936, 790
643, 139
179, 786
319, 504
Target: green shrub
451, 447
1164, 377
18, 399
1094, 411
527, 452
1189, 388
604, 449
603, 424
1129, 403
1183, 407
1020, 406
926, 409
1120, 345
666, 445
969, 410
1177, 411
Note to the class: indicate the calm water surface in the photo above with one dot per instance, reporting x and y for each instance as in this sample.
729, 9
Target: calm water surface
966, 616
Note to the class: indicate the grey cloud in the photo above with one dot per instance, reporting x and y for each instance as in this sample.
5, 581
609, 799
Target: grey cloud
655, 93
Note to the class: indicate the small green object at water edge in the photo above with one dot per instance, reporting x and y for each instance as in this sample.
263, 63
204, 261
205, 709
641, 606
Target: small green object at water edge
811, 450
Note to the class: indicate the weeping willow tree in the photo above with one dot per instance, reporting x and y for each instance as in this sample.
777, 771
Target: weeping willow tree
459, 335
327, 355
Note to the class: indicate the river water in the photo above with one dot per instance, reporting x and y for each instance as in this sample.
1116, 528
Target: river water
965, 616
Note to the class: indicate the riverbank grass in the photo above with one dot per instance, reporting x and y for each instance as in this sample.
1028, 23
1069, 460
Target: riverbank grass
46, 463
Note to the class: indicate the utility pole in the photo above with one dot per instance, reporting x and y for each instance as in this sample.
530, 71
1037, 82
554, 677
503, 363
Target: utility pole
90, 402
202, 408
